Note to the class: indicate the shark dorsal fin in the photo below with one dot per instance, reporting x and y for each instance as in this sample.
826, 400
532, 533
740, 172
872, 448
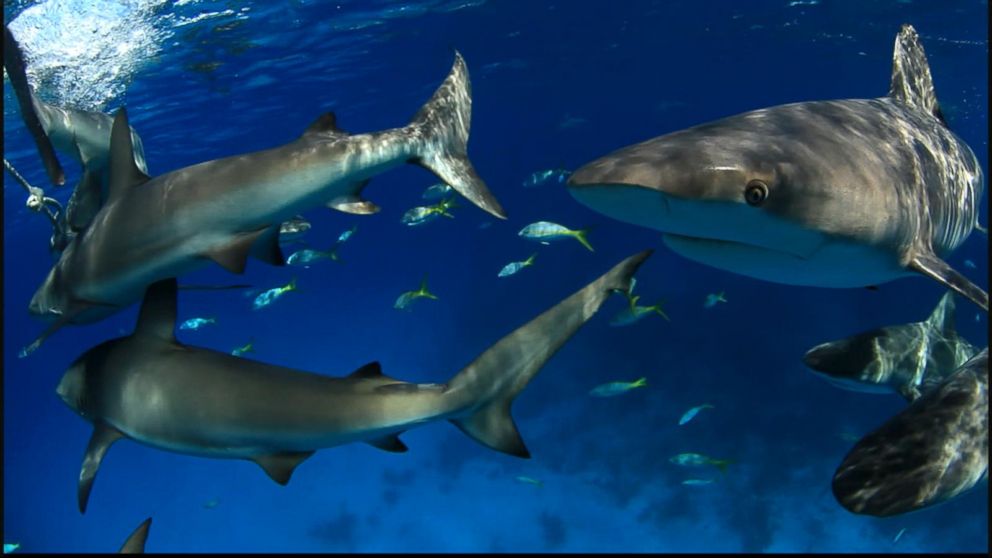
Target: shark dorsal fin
135, 544
157, 317
370, 370
911, 80
325, 123
124, 172
942, 317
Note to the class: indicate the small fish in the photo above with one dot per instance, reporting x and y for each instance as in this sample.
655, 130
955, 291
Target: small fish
197, 323
550, 175
273, 294
898, 535
513, 267
308, 256
543, 231
249, 348
528, 480
712, 299
293, 229
408, 297
698, 459
211, 504
10, 547
978, 317
616, 388
343, 237
634, 313
425, 214
969, 263
437, 191
697, 482
692, 413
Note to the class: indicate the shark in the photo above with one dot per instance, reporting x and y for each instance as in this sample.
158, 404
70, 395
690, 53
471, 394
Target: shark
153, 389
226, 209
909, 359
135, 543
839, 193
81, 134
932, 451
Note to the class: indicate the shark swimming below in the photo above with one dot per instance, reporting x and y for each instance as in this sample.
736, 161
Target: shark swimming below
844, 193
151, 229
908, 359
150, 388
930, 452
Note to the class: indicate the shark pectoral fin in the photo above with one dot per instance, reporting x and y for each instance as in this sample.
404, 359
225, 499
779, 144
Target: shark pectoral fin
124, 172
157, 317
266, 247
280, 466
391, 443
85, 201
930, 265
353, 204
135, 543
493, 426
103, 437
233, 256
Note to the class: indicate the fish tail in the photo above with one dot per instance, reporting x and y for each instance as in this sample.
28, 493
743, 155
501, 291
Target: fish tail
722, 465
481, 394
530, 259
657, 309
580, 235
640, 382
423, 289
441, 129
291, 286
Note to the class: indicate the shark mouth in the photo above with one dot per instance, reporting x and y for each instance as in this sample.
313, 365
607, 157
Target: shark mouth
683, 244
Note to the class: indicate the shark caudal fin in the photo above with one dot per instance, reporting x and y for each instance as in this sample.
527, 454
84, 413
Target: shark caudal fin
13, 62
930, 452
441, 129
930, 265
485, 389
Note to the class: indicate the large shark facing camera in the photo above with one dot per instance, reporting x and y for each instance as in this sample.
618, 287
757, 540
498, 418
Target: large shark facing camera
844, 193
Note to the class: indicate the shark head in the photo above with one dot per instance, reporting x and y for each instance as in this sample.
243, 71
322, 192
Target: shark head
853, 363
746, 194
48, 302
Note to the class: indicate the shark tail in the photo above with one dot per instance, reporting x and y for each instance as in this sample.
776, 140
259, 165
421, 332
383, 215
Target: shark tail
580, 235
483, 391
441, 127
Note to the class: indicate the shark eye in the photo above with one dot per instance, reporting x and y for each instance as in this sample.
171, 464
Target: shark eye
755, 192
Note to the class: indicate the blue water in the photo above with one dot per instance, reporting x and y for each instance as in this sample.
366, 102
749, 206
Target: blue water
555, 84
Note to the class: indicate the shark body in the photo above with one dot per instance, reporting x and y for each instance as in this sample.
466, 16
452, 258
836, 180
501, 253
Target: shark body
844, 193
151, 229
150, 388
934, 450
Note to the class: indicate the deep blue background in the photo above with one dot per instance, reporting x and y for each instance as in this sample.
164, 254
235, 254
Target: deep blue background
554, 85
